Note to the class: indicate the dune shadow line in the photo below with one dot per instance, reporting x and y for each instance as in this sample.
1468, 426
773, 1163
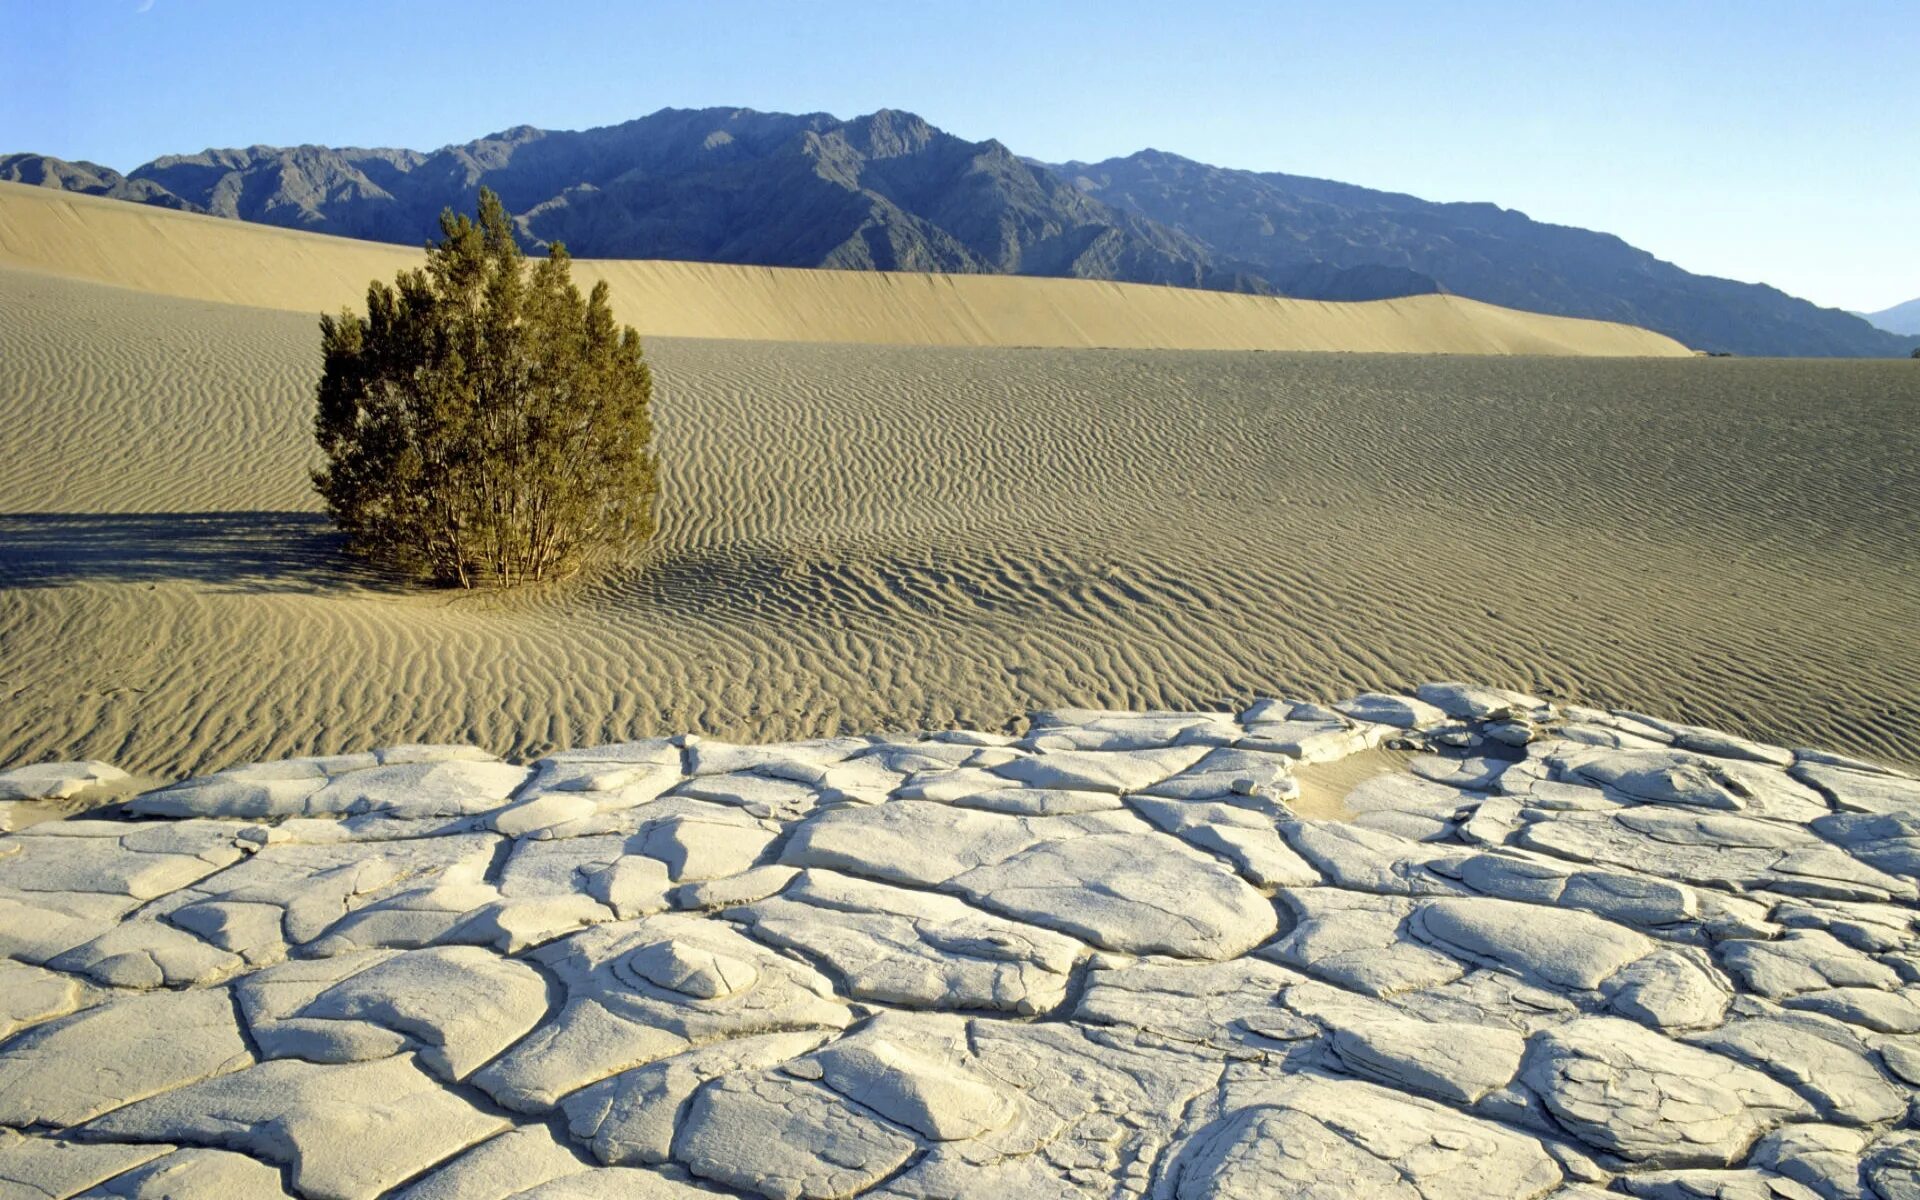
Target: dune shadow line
248, 551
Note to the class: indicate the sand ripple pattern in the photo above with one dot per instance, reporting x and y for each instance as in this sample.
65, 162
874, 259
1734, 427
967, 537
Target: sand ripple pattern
859, 538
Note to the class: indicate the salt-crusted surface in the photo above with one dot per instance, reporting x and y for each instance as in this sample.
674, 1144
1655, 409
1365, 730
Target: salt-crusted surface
1555, 952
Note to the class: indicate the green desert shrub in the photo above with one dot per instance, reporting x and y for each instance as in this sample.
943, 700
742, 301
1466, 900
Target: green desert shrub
482, 422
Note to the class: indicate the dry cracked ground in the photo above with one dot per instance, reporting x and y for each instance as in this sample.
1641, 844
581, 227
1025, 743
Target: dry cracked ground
1545, 953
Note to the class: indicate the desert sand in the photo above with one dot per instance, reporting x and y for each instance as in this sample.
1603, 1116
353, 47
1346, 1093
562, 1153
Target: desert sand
871, 537
1555, 952
203, 258
860, 538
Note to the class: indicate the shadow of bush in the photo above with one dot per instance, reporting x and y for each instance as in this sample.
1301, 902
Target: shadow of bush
226, 551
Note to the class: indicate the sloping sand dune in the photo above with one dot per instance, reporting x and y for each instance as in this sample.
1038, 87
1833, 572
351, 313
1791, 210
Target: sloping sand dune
860, 537
204, 258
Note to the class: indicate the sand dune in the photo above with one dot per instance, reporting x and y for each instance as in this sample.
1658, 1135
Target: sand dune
205, 258
859, 538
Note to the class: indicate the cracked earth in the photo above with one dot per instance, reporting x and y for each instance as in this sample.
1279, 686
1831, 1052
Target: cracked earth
1544, 952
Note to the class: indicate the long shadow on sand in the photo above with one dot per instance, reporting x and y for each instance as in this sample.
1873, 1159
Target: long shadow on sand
227, 551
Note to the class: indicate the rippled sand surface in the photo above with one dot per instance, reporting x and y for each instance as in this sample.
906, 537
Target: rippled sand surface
858, 538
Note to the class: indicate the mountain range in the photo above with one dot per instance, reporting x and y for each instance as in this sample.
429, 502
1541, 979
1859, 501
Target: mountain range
888, 191
1902, 319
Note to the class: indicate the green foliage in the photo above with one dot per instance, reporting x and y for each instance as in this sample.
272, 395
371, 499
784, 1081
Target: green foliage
483, 423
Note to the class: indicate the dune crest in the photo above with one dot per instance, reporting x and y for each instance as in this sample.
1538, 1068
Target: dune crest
206, 258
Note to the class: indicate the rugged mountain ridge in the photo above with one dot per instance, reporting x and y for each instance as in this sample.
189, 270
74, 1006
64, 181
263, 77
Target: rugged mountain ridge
888, 191
1275, 223
88, 178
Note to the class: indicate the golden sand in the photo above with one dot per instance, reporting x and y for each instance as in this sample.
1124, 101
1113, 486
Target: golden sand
205, 258
861, 537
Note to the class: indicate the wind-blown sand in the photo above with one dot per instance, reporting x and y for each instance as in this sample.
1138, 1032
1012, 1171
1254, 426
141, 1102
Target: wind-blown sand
858, 538
204, 258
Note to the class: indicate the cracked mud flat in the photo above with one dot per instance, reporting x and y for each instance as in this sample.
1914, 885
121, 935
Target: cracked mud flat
1553, 952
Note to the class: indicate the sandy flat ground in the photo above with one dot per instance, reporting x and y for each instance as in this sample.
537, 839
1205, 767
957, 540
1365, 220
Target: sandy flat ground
869, 537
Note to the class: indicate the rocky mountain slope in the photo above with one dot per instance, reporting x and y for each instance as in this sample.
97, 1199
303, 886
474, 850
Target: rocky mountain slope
884, 192
1276, 223
889, 191
88, 178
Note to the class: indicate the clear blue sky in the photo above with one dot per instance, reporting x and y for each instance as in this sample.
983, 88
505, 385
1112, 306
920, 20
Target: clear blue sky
1769, 140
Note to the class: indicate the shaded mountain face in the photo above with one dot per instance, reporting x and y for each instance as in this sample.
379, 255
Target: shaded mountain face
86, 177
884, 192
1274, 223
888, 191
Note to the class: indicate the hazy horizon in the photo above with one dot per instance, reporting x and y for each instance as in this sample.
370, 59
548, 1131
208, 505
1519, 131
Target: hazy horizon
1750, 141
